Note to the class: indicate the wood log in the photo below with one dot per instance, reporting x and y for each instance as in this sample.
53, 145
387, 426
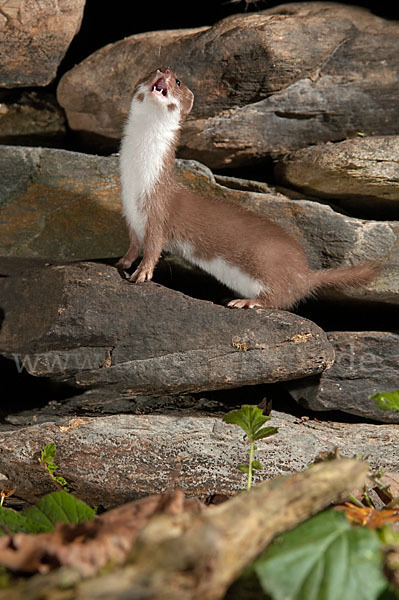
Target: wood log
190, 556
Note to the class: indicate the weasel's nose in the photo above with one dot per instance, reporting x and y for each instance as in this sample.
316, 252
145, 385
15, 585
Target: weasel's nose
164, 70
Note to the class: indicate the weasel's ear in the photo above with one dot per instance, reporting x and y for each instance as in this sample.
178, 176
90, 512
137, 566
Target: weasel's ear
192, 102
187, 102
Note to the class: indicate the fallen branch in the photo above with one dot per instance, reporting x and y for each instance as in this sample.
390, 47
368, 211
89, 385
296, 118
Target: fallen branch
198, 555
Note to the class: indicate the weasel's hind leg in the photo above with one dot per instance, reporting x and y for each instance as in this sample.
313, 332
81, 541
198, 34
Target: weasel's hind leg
250, 303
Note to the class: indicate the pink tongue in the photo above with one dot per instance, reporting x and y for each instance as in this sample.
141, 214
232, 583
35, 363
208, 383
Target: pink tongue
160, 85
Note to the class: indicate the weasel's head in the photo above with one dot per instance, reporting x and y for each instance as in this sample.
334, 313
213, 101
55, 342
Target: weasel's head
163, 88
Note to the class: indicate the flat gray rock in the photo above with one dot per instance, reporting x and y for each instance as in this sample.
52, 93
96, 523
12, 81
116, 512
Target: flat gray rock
361, 173
365, 363
84, 324
111, 460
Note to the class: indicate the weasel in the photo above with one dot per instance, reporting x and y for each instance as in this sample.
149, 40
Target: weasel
250, 254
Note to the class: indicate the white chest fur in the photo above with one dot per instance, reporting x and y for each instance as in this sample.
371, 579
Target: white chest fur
149, 131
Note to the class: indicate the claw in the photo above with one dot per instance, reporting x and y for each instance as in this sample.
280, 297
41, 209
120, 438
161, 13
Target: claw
141, 274
244, 303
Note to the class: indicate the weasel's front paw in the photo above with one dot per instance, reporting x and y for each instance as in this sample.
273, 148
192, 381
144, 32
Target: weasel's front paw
126, 261
142, 273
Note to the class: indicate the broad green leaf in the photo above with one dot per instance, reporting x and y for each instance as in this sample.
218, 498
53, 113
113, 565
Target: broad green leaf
265, 432
59, 507
249, 417
387, 400
324, 558
49, 510
255, 416
236, 417
257, 419
15, 522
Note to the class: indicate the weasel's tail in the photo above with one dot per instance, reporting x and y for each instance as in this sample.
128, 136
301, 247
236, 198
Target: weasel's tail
346, 277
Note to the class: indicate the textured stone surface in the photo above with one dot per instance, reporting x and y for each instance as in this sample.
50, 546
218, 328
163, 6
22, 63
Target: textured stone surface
111, 460
34, 37
60, 206
83, 323
264, 83
362, 173
31, 118
102, 109
365, 363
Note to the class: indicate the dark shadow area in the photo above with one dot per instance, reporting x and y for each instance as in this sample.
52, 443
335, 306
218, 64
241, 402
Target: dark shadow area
178, 275
33, 400
22, 391
351, 315
261, 170
280, 399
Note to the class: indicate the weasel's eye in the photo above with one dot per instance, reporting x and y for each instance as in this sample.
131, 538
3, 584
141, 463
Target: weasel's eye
178, 82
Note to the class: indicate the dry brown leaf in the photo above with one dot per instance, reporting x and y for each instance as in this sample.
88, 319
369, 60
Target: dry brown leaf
368, 517
6, 493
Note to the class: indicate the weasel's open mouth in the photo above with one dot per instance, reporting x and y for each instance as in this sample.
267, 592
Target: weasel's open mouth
160, 87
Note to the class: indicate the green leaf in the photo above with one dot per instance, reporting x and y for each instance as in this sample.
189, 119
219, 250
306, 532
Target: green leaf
59, 507
61, 481
387, 400
48, 453
265, 432
243, 468
249, 417
324, 558
49, 510
15, 522
235, 417
51, 467
388, 536
47, 460
257, 418
257, 465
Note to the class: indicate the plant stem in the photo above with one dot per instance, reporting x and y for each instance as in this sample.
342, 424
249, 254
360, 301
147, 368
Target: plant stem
251, 458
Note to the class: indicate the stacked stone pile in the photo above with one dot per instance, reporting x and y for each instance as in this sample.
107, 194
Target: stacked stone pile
309, 87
